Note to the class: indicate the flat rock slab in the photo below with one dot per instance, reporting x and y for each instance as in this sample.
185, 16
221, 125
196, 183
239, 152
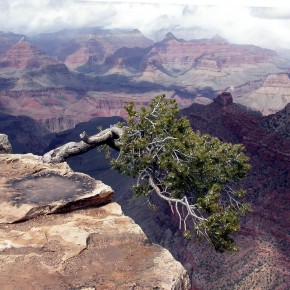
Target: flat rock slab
93, 248
52, 235
29, 188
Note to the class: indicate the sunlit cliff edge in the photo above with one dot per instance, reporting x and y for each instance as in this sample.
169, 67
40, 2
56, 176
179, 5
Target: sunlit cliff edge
59, 230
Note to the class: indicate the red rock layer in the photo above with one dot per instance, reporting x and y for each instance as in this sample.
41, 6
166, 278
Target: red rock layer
208, 54
24, 55
94, 48
270, 97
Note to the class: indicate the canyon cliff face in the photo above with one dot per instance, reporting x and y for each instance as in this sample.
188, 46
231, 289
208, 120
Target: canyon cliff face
177, 56
96, 45
23, 55
263, 259
87, 246
53, 82
273, 95
212, 62
263, 240
53, 77
89, 54
7, 40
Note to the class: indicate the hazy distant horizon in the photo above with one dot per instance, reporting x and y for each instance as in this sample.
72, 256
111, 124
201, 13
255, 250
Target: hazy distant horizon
263, 26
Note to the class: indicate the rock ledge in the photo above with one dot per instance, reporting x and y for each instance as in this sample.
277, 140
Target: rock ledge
84, 247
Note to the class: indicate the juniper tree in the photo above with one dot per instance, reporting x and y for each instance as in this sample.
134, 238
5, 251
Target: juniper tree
196, 174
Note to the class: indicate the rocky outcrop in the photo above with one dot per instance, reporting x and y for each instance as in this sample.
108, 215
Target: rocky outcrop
5, 146
84, 247
224, 99
31, 188
96, 248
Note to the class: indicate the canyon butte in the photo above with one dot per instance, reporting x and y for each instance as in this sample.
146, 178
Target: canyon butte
54, 86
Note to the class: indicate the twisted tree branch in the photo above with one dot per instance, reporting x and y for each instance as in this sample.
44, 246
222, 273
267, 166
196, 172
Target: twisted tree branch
107, 136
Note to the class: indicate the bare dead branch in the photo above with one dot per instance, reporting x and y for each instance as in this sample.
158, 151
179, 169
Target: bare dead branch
107, 136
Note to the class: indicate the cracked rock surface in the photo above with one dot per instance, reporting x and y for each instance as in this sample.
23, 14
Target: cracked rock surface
65, 242
30, 188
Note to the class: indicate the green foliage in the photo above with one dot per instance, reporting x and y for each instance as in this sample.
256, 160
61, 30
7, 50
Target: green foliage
157, 143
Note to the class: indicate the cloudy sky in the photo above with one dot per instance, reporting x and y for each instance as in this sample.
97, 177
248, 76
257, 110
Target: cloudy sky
261, 22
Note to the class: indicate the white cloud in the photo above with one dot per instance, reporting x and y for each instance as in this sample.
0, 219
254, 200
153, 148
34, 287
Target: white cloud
272, 13
262, 26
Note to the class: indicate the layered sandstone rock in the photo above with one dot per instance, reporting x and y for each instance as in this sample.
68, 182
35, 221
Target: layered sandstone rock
31, 188
25, 55
96, 46
66, 241
206, 64
272, 96
55, 110
89, 54
177, 54
125, 63
7, 40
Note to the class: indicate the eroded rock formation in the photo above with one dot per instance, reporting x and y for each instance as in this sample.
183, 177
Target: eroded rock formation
31, 188
96, 46
92, 67
270, 97
25, 55
5, 146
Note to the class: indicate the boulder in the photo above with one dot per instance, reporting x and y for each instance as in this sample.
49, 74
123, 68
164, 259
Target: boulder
5, 146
